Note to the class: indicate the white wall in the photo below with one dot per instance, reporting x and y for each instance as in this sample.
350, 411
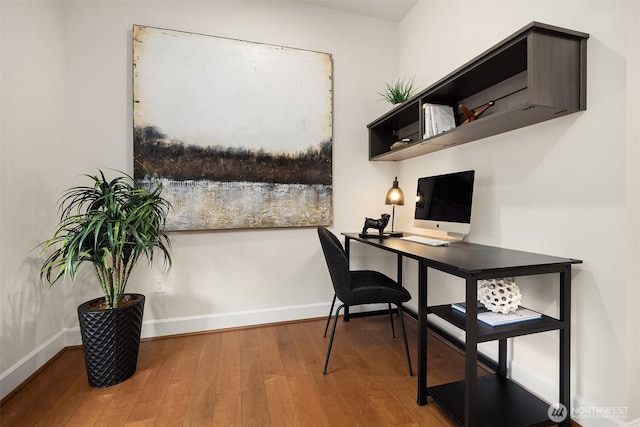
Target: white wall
66, 110
633, 208
33, 155
561, 187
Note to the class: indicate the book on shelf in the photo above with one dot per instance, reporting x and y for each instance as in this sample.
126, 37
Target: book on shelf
498, 319
427, 132
437, 119
462, 307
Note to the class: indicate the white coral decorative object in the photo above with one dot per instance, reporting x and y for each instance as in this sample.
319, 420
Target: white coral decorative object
499, 295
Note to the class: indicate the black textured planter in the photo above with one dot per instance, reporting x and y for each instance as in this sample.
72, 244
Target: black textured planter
111, 339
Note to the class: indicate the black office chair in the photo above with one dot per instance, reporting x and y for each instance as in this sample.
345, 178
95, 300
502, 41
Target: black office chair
359, 287
333, 303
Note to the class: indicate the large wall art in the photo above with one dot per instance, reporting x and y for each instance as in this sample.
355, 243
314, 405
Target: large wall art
239, 133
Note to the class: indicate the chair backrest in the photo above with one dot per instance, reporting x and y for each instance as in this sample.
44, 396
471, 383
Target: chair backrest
337, 263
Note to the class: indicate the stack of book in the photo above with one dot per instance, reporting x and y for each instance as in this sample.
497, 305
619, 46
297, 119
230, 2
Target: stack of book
437, 119
497, 319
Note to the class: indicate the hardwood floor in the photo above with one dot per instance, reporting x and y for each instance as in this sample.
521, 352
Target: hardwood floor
262, 376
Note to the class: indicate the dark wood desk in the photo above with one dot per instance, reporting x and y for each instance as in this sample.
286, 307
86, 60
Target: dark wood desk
494, 399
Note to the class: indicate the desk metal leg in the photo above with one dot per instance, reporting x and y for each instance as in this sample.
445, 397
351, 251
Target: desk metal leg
347, 247
565, 342
502, 358
471, 354
422, 334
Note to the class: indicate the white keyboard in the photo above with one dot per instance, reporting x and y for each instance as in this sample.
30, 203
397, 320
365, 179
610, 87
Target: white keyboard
426, 240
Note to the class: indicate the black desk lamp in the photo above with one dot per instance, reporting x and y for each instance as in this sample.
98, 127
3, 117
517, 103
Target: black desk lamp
395, 196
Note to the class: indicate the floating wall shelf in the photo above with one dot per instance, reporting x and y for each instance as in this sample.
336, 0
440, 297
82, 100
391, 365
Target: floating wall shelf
536, 74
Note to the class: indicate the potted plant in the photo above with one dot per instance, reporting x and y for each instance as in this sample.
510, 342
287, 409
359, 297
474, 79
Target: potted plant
398, 92
110, 225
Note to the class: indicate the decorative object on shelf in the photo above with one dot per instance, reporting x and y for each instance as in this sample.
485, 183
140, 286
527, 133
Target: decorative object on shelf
472, 115
402, 143
378, 224
398, 92
110, 225
394, 197
499, 295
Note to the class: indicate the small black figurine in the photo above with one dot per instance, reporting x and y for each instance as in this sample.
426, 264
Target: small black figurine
378, 224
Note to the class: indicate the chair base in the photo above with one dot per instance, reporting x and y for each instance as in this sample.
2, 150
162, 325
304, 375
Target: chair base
335, 323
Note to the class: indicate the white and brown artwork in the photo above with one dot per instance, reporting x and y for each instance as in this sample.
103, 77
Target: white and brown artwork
238, 133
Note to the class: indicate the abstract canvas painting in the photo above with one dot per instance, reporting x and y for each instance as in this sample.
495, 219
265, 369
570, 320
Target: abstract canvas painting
238, 133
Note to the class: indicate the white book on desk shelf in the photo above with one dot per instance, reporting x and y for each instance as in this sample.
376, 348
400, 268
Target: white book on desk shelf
499, 319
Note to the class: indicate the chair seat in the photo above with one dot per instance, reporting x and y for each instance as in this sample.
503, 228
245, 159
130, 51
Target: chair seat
371, 287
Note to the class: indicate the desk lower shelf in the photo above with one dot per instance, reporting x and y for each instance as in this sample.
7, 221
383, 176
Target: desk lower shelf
501, 402
490, 333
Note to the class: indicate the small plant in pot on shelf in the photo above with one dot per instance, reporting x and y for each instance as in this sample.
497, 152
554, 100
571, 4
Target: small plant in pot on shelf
110, 225
398, 92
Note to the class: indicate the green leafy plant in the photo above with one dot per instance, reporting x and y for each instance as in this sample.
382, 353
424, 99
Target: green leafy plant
110, 225
398, 92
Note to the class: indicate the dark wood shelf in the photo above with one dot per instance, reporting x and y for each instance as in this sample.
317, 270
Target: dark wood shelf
501, 402
491, 333
536, 74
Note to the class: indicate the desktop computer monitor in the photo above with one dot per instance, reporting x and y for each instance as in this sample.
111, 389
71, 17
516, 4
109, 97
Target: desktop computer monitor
443, 203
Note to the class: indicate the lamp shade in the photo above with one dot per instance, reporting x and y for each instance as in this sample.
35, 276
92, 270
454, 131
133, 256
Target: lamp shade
395, 196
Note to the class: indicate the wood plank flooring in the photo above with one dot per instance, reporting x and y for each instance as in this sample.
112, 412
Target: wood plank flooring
262, 376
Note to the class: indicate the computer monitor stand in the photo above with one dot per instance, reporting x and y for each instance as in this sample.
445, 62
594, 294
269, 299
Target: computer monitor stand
457, 237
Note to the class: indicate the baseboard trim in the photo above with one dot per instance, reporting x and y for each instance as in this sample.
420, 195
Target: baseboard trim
21, 371
186, 325
32, 362
587, 414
